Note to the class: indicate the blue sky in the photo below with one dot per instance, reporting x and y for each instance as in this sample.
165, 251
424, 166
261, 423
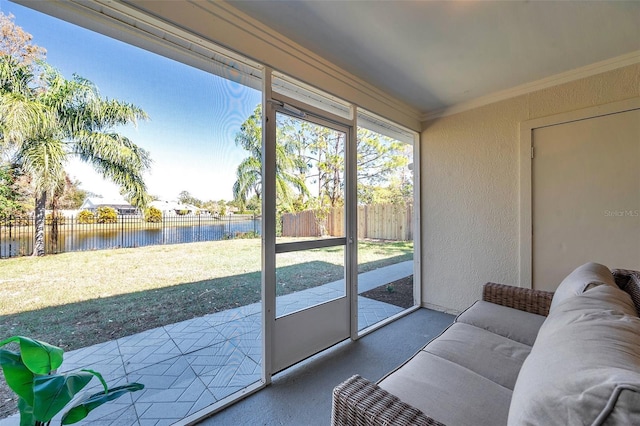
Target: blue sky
194, 115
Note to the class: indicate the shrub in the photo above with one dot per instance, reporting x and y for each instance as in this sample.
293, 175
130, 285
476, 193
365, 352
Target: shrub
49, 219
86, 216
247, 235
153, 215
182, 212
106, 215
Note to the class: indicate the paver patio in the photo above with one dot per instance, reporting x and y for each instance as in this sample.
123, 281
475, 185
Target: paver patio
192, 364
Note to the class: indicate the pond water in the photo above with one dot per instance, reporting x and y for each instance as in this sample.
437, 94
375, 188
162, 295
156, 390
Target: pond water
18, 241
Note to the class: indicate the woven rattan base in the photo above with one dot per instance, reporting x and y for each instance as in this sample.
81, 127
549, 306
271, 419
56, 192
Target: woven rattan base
358, 402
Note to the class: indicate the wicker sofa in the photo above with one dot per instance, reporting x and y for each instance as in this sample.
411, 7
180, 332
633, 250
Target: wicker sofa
518, 357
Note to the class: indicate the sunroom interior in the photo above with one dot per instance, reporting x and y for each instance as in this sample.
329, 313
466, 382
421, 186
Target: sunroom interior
476, 85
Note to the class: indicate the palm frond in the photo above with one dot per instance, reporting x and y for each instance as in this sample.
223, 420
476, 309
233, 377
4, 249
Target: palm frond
44, 160
21, 118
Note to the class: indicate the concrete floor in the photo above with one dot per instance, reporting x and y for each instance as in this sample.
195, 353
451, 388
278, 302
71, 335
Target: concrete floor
302, 394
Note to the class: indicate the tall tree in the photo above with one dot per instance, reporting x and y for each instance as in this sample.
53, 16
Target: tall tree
69, 195
382, 168
186, 198
249, 171
321, 158
46, 119
14, 193
16, 43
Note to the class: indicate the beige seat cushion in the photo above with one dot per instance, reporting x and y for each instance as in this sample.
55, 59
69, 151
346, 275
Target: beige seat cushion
585, 365
448, 392
495, 357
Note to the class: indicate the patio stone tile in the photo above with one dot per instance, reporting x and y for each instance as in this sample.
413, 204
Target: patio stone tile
224, 391
195, 391
157, 389
249, 367
190, 342
233, 314
222, 378
167, 422
159, 394
145, 352
238, 327
244, 380
126, 416
103, 357
371, 311
250, 344
188, 326
163, 382
133, 368
166, 412
179, 368
221, 348
206, 370
204, 401
141, 407
110, 369
146, 336
208, 361
328, 290
236, 357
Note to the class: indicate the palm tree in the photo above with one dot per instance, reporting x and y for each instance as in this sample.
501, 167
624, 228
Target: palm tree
249, 171
45, 120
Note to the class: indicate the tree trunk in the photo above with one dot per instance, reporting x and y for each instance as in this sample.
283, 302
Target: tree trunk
38, 245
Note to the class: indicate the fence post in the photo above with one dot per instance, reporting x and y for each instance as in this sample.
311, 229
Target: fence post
10, 235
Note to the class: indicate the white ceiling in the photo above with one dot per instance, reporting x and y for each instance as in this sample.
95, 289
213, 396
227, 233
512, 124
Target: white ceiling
437, 54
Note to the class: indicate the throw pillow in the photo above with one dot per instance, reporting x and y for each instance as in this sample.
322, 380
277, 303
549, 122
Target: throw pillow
580, 280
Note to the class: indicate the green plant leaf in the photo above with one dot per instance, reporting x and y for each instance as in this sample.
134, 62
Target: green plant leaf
52, 393
39, 357
99, 376
18, 377
85, 406
26, 413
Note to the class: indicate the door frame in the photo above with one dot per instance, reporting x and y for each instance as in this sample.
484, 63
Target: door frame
526, 156
272, 102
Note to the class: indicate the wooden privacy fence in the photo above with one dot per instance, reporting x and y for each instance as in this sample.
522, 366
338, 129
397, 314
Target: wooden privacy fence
377, 221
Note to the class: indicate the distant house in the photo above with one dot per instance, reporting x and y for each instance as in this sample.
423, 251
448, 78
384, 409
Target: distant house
172, 208
119, 204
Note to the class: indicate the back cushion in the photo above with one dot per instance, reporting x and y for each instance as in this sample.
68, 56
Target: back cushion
581, 279
584, 367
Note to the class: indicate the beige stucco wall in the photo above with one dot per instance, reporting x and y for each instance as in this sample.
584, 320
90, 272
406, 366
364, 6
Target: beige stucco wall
470, 186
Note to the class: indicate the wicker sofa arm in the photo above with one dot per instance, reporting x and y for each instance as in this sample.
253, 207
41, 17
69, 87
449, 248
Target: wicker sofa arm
524, 299
629, 281
358, 402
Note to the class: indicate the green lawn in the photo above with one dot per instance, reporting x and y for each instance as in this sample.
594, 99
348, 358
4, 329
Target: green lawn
78, 299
